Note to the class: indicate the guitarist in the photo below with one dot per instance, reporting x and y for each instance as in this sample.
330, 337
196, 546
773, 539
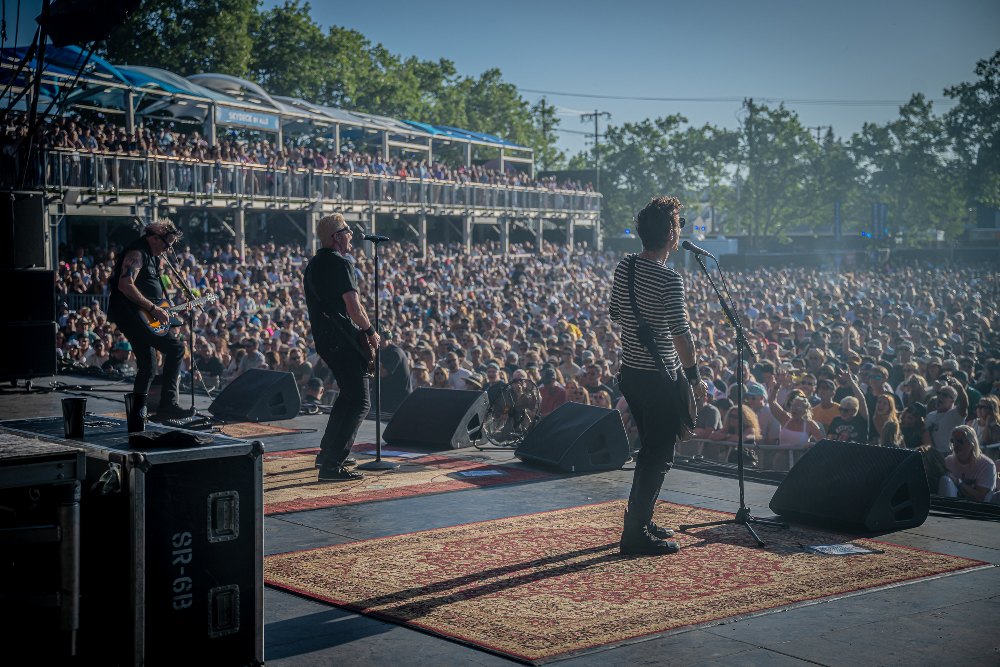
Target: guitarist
336, 315
136, 285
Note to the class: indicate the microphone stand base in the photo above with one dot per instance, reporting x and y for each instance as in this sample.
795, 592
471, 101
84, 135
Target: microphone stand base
742, 518
377, 464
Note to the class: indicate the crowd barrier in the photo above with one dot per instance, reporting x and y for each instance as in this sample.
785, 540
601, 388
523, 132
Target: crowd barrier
779, 457
113, 174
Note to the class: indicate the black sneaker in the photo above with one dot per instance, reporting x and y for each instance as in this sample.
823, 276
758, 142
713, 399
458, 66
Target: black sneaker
641, 543
174, 411
659, 532
339, 475
347, 462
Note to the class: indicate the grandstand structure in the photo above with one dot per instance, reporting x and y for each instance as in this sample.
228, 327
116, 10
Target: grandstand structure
245, 198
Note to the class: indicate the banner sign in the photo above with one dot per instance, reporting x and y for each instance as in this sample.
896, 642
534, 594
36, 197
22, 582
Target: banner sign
247, 118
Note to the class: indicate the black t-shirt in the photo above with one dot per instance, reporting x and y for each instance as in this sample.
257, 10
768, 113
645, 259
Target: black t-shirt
855, 430
600, 387
328, 277
120, 307
210, 366
395, 386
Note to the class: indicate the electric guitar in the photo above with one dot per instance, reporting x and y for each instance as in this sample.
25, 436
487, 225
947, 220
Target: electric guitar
162, 328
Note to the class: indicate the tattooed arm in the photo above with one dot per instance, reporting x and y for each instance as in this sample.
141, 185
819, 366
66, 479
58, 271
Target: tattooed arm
131, 265
684, 344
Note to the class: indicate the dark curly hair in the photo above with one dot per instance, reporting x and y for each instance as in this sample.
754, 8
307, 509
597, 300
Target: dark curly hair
655, 221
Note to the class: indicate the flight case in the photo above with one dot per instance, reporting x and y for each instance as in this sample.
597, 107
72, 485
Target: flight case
172, 547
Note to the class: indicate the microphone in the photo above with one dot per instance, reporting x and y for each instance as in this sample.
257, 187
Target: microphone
690, 247
374, 239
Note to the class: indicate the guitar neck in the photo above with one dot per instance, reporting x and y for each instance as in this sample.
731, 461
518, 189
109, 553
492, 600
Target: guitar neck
189, 304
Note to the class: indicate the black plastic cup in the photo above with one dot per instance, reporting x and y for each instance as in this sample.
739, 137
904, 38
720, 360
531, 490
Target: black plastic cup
135, 412
74, 410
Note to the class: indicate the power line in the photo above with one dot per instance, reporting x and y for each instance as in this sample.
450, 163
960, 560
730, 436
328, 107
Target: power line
736, 99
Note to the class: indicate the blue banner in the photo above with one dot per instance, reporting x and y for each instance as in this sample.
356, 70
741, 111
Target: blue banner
247, 118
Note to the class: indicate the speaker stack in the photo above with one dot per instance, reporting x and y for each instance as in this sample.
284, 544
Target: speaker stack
857, 486
577, 438
258, 395
28, 322
437, 419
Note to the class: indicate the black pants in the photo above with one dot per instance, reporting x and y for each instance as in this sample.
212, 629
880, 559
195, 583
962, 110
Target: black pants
144, 346
658, 424
350, 408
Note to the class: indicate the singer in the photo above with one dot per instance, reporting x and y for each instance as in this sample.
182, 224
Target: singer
336, 315
136, 286
659, 297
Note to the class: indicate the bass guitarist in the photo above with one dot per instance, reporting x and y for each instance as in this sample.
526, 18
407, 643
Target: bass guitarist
336, 315
136, 286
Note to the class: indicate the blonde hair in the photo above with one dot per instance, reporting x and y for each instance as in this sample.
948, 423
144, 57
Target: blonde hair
970, 435
891, 435
749, 419
849, 402
327, 225
995, 406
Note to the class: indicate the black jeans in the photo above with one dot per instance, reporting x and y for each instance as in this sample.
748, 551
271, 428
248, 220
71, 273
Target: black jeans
658, 424
144, 346
350, 408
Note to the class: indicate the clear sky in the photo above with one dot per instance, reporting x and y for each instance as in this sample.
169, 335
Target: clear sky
768, 49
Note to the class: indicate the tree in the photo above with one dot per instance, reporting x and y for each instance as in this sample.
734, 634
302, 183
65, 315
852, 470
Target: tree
186, 36
655, 158
904, 163
782, 188
974, 126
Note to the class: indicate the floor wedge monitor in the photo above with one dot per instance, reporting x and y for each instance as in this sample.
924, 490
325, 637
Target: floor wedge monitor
437, 419
858, 486
258, 396
577, 438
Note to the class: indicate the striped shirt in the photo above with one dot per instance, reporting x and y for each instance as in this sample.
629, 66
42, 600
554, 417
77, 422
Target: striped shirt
659, 294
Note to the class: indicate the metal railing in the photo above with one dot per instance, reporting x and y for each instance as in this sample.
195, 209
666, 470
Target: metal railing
78, 301
112, 174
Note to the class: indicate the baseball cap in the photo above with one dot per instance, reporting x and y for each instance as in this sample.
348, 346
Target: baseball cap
755, 390
124, 345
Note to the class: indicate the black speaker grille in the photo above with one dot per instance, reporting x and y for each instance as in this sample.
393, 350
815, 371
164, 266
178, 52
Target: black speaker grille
841, 481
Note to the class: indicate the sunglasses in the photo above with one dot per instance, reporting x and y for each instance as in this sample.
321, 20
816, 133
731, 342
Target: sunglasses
341, 231
982, 406
846, 409
958, 441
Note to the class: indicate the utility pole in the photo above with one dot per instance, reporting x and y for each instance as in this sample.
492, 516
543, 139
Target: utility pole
545, 130
750, 171
597, 140
819, 128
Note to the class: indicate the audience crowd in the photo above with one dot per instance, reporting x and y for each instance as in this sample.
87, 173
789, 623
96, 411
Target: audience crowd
75, 134
897, 356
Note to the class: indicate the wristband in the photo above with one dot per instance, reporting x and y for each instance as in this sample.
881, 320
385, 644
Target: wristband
692, 374
370, 331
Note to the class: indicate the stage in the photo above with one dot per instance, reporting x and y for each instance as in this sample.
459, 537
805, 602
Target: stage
946, 618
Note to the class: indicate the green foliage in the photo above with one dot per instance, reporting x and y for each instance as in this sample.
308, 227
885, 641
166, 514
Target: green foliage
186, 36
974, 126
289, 54
640, 161
905, 163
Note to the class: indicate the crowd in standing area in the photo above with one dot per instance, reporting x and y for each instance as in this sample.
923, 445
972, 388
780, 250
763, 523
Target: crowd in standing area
75, 134
899, 356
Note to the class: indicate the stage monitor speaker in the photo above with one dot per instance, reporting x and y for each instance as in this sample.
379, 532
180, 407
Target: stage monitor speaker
437, 419
29, 350
31, 296
257, 396
22, 231
577, 438
853, 485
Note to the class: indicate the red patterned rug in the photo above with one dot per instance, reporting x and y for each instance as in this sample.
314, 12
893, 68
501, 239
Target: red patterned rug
291, 485
544, 586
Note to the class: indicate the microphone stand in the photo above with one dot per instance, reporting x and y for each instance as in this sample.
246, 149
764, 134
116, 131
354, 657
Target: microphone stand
378, 463
743, 516
190, 296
